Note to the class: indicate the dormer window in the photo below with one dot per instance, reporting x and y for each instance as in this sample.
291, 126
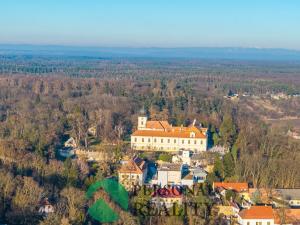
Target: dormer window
192, 134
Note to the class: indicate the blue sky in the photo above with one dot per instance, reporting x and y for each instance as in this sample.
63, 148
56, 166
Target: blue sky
152, 23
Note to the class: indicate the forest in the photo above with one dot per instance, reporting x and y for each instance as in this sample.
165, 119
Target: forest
45, 100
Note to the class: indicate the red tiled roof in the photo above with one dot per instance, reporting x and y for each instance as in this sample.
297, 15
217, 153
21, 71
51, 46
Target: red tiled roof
173, 132
257, 212
239, 187
135, 165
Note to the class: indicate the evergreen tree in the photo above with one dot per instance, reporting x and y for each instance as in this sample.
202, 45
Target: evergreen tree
218, 168
228, 130
228, 165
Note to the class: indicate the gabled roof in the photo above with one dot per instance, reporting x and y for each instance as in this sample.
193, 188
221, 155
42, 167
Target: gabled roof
257, 212
169, 167
174, 132
135, 165
164, 129
235, 186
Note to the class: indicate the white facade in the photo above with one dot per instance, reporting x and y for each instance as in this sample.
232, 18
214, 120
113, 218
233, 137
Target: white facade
168, 144
162, 136
256, 221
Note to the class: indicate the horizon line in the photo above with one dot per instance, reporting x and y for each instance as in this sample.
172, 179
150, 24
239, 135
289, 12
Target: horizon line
148, 47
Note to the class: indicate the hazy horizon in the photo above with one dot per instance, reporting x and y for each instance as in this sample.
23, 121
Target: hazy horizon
230, 53
135, 24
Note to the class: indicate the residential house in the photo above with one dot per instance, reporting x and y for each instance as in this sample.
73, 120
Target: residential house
234, 186
167, 197
199, 175
132, 173
228, 211
168, 174
162, 136
256, 215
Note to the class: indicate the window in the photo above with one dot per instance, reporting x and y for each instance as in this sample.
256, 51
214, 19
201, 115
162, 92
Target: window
248, 223
149, 140
192, 134
258, 223
201, 142
168, 140
161, 140
142, 139
135, 139
182, 141
189, 142
195, 142
154, 139
268, 223
174, 141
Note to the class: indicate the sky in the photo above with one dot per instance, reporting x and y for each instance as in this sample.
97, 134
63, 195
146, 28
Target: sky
152, 23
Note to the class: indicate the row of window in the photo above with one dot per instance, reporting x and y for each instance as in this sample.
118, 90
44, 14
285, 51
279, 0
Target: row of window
162, 148
259, 223
169, 141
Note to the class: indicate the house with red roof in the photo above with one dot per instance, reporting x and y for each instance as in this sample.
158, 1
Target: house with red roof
239, 187
162, 136
133, 172
256, 215
167, 197
234, 186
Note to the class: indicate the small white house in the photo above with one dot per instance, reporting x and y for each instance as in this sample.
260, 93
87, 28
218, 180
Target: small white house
168, 174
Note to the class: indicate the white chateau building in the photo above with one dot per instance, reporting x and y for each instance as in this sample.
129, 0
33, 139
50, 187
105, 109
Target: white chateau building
162, 136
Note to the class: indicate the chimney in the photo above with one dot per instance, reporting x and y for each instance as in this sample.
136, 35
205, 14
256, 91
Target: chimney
194, 122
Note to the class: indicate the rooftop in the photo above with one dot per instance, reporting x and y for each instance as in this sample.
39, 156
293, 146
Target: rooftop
135, 165
239, 187
257, 212
169, 167
185, 133
164, 129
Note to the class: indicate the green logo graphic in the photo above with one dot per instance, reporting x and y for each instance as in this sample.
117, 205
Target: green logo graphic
100, 210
